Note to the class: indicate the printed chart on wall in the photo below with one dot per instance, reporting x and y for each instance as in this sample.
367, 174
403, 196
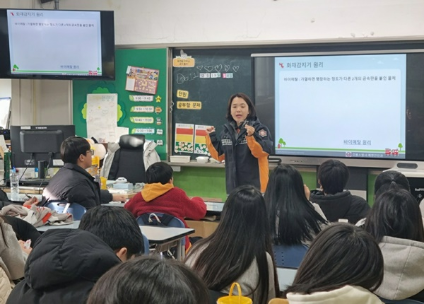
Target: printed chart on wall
140, 90
203, 81
101, 116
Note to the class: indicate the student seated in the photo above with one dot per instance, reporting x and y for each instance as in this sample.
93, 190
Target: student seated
337, 203
343, 265
65, 264
149, 280
12, 260
383, 182
294, 220
160, 195
239, 250
386, 179
396, 224
72, 182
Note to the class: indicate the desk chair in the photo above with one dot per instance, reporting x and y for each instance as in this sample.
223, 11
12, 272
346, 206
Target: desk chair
75, 209
128, 160
146, 245
289, 256
164, 220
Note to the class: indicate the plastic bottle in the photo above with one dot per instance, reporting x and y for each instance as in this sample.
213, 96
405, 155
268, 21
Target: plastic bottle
14, 185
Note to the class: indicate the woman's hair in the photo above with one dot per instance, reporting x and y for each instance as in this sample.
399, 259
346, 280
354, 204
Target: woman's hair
149, 280
395, 213
240, 238
252, 111
292, 217
387, 178
341, 254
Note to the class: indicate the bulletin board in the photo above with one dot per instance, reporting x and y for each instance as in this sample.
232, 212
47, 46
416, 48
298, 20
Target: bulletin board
141, 113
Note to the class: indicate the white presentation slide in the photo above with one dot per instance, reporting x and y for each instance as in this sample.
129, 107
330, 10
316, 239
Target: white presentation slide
57, 42
342, 106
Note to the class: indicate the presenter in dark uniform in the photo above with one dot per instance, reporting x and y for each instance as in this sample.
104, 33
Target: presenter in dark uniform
244, 144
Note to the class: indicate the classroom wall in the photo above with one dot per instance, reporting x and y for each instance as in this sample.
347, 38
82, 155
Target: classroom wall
143, 23
159, 23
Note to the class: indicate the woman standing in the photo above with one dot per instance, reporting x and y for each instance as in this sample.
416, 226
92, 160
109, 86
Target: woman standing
244, 143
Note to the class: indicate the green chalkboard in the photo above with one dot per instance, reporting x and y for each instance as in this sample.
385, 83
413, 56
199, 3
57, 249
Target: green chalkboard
128, 116
215, 76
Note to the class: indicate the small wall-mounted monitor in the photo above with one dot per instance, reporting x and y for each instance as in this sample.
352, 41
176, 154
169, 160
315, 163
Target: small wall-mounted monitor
57, 44
31, 144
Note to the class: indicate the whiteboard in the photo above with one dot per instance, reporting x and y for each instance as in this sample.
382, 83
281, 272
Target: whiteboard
4, 112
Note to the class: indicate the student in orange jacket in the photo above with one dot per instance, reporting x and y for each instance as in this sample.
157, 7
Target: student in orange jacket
160, 195
244, 143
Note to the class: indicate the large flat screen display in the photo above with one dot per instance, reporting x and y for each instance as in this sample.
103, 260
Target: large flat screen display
356, 106
57, 44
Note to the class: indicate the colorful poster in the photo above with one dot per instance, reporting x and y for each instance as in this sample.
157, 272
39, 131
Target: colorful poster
200, 140
184, 138
142, 80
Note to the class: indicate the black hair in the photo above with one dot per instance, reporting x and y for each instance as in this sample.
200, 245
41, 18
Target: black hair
240, 239
387, 178
333, 176
149, 280
252, 111
72, 147
341, 254
159, 173
292, 217
395, 213
117, 227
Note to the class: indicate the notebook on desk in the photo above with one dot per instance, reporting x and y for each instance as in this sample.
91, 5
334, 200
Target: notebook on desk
214, 206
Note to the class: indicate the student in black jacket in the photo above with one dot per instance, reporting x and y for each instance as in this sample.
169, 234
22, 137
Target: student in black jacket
337, 203
65, 264
72, 182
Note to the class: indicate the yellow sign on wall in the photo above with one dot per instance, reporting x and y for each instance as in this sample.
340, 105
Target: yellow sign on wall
189, 105
183, 62
182, 94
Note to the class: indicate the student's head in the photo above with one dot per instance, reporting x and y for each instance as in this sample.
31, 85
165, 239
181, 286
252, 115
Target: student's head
159, 173
149, 280
240, 108
76, 150
395, 213
240, 238
292, 217
341, 254
117, 227
387, 178
333, 176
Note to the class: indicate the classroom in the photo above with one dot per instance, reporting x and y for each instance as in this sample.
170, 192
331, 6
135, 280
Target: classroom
239, 33
264, 23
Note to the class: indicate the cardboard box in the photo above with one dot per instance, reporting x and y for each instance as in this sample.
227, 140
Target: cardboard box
202, 228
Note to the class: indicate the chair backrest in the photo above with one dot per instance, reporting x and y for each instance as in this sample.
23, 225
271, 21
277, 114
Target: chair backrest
146, 245
289, 256
285, 277
405, 301
160, 219
75, 209
128, 160
278, 301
